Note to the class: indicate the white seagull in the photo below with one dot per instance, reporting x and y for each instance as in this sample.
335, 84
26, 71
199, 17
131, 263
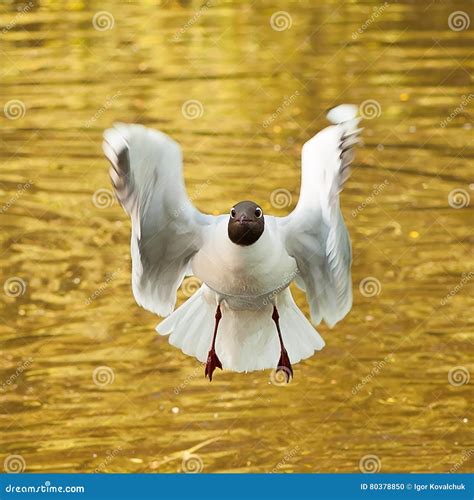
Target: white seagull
243, 318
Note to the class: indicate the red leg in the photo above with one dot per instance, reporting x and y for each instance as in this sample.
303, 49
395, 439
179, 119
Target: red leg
213, 361
284, 364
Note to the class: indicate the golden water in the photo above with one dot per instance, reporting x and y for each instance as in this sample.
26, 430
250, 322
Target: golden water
382, 385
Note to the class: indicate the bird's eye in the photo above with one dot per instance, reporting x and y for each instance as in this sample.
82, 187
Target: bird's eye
258, 212
232, 213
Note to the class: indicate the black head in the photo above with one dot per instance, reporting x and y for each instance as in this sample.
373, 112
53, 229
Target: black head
246, 223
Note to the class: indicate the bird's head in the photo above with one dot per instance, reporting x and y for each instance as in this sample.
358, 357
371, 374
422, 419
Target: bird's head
246, 223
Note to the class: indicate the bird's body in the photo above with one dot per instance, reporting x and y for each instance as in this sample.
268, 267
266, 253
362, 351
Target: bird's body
243, 317
244, 271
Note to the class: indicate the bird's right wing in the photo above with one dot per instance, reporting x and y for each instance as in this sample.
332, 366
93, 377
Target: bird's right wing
167, 230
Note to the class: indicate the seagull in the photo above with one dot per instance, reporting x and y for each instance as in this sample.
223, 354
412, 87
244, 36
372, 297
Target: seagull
243, 317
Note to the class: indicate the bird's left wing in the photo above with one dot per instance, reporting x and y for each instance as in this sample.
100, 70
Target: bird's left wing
315, 233
167, 230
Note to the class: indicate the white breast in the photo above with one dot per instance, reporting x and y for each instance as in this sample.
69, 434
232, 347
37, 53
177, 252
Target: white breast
249, 271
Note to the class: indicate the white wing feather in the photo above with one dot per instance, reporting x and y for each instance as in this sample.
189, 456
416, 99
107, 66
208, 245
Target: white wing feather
315, 232
166, 228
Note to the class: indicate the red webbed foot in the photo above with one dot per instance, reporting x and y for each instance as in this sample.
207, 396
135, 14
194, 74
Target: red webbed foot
213, 362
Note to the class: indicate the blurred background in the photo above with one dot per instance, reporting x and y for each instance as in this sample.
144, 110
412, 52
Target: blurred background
85, 383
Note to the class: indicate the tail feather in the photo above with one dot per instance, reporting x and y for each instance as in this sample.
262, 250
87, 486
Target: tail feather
197, 340
188, 326
246, 340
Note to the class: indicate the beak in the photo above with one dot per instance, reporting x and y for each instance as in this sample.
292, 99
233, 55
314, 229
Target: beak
243, 219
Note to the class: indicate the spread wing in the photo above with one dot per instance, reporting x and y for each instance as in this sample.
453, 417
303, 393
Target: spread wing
167, 230
315, 233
